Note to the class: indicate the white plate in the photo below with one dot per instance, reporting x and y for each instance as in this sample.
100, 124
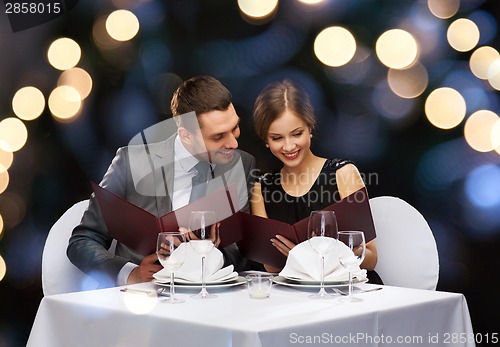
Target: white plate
235, 282
312, 284
225, 279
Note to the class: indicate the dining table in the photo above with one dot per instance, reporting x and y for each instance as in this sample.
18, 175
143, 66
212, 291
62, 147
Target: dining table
138, 315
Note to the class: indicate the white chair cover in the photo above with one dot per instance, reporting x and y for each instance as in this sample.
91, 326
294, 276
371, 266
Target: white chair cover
407, 252
59, 275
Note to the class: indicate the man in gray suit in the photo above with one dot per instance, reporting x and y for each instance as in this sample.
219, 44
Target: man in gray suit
159, 176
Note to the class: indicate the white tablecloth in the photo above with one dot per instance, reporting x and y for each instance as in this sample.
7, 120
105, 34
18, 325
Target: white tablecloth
392, 316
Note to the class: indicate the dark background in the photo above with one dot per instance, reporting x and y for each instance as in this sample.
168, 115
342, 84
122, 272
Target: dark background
411, 159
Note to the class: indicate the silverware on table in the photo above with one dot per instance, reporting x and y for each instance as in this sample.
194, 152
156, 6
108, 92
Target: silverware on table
338, 291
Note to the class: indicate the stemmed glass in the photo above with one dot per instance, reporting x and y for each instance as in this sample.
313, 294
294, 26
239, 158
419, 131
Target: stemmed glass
355, 240
322, 233
204, 236
171, 252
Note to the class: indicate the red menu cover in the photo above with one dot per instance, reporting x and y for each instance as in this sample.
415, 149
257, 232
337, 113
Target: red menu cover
138, 228
352, 212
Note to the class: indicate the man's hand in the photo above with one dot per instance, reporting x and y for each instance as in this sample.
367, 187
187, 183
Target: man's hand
214, 234
144, 272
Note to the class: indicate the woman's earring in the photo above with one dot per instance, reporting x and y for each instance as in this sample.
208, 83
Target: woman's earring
311, 136
267, 145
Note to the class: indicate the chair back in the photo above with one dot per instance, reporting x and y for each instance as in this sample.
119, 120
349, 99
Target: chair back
59, 275
407, 252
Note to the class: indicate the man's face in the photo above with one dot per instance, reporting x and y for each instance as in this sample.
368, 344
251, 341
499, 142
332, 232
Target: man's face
220, 131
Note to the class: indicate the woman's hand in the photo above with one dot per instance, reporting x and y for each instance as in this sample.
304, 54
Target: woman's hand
214, 234
282, 244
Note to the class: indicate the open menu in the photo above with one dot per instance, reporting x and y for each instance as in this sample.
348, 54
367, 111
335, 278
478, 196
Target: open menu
352, 212
138, 228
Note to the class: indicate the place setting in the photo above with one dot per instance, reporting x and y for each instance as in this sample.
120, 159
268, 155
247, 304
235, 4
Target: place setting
329, 260
191, 261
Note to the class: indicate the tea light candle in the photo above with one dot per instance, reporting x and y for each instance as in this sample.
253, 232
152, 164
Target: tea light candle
259, 292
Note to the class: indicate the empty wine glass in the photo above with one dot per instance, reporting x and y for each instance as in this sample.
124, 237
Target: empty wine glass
171, 252
355, 240
204, 231
322, 233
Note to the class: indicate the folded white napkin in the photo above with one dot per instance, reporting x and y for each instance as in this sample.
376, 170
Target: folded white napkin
304, 264
190, 271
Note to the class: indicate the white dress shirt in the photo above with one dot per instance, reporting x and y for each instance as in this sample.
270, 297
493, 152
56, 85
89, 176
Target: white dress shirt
184, 163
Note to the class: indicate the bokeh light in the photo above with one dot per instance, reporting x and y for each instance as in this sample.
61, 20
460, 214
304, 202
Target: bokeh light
28, 103
396, 49
482, 186
481, 60
445, 108
101, 36
4, 179
478, 130
6, 155
64, 53
392, 107
443, 9
1, 226
258, 9
311, 2
494, 74
140, 304
122, 25
77, 78
3, 268
495, 136
463, 35
410, 82
13, 133
64, 102
335, 46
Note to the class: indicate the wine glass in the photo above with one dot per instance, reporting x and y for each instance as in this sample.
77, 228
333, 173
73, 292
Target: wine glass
171, 252
322, 233
204, 236
355, 240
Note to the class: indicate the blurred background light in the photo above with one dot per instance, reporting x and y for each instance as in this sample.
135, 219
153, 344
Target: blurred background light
1, 226
356, 71
463, 35
396, 49
64, 53
486, 24
28, 103
495, 136
122, 25
443, 9
482, 186
259, 10
6, 155
13, 132
3, 268
410, 82
311, 1
101, 36
77, 78
481, 60
4, 179
334, 46
494, 74
64, 102
445, 108
392, 107
478, 130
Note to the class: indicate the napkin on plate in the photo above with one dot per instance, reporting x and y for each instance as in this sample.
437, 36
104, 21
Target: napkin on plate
190, 270
304, 264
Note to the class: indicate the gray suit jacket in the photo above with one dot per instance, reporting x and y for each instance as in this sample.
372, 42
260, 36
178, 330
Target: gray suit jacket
150, 189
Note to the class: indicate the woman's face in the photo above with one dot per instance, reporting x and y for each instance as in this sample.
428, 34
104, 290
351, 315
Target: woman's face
289, 139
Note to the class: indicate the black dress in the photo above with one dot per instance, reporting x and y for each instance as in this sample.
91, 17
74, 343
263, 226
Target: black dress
290, 209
